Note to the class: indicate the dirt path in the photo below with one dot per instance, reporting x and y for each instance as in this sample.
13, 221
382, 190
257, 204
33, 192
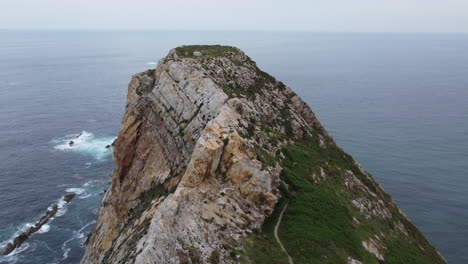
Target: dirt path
276, 233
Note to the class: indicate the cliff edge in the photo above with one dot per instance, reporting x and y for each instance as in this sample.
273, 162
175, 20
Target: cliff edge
214, 153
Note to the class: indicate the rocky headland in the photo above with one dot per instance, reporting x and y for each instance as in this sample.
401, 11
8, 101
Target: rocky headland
219, 162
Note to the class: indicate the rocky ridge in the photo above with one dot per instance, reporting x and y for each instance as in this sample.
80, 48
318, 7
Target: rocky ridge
48, 216
210, 149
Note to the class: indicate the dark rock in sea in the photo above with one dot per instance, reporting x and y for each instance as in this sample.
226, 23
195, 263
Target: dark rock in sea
9, 248
69, 197
87, 239
113, 143
71, 143
19, 240
108, 146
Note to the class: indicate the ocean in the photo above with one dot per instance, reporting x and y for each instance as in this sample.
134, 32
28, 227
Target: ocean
397, 102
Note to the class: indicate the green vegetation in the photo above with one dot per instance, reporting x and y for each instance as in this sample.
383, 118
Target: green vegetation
205, 50
401, 251
153, 193
318, 225
214, 258
208, 52
194, 255
142, 89
264, 156
261, 84
261, 247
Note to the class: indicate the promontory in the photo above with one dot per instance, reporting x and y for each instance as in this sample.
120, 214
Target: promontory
219, 162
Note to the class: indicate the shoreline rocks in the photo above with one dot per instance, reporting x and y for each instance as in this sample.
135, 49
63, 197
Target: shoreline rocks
21, 238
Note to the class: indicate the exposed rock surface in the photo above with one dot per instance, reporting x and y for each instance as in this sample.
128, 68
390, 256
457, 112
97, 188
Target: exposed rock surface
198, 162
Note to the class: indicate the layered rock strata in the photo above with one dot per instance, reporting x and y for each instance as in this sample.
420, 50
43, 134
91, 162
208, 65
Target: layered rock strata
199, 161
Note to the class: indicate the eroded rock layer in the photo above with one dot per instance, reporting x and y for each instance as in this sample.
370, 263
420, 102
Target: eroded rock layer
203, 153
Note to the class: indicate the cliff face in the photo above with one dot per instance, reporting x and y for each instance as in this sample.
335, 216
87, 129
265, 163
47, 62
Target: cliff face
212, 149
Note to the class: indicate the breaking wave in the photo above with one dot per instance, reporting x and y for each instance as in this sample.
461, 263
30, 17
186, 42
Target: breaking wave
77, 191
44, 229
76, 235
86, 143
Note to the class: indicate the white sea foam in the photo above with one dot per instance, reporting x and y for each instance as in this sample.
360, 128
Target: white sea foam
61, 212
151, 63
88, 183
20, 249
44, 229
77, 191
85, 196
86, 143
3, 244
88, 224
76, 235
65, 254
9, 259
62, 209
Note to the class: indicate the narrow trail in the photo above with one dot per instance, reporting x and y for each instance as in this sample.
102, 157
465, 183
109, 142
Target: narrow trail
276, 233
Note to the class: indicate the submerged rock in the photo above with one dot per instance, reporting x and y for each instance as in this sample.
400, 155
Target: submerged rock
208, 146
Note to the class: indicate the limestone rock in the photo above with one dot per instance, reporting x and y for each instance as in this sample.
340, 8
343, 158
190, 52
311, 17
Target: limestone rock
197, 162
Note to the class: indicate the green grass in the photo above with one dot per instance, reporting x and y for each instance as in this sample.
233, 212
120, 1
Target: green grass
206, 50
400, 251
264, 156
261, 247
151, 194
318, 227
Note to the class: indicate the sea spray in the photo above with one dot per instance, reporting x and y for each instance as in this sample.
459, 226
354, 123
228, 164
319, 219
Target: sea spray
86, 143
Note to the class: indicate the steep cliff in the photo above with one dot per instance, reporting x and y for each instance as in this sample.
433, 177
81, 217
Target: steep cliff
213, 153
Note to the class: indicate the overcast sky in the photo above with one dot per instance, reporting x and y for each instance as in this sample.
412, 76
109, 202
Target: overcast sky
301, 15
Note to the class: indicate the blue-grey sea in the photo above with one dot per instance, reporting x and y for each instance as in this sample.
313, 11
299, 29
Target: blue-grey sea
397, 102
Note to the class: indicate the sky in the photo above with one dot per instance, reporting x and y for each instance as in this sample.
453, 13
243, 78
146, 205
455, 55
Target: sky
270, 15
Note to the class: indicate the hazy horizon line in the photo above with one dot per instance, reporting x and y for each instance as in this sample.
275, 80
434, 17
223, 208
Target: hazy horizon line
232, 30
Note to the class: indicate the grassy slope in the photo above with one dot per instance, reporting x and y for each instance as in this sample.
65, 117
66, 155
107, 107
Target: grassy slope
262, 247
205, 50
318, 225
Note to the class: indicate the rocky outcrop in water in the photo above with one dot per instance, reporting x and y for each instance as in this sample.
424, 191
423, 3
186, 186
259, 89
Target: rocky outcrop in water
21, 238
210, 149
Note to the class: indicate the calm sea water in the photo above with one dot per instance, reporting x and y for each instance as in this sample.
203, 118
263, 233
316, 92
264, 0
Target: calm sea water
397, 102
